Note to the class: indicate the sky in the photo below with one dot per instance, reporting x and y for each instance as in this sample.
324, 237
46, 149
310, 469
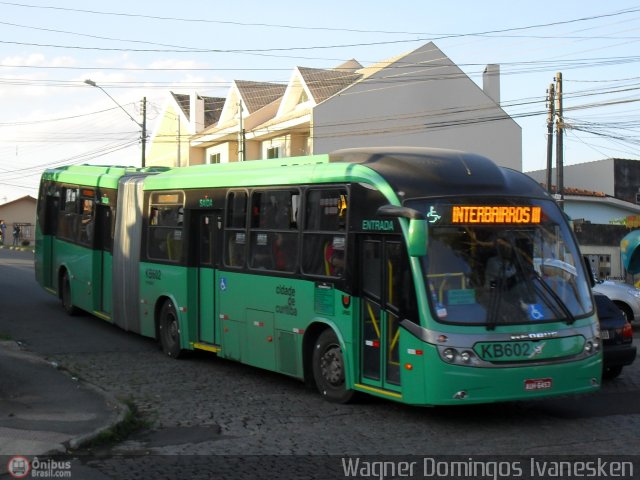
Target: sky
144, 49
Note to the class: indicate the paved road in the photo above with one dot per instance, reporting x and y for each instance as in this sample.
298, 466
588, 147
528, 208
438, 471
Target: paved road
204, 405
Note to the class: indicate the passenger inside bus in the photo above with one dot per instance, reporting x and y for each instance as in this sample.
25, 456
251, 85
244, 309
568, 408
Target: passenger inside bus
501, 267
334, 256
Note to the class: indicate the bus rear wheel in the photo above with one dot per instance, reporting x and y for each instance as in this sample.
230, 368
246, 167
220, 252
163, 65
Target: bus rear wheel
329, 368
169, 330
65, 295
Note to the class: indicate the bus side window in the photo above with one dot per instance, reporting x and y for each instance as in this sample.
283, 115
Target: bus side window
274, 230
68, 217
165, 228
235, 229
324, 243
87, 222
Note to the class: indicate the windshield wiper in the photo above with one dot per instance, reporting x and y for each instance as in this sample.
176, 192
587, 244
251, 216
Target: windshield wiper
559, 302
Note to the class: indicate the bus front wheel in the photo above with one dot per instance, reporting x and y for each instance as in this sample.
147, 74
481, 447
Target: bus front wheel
329, 368
65, 295
170, 330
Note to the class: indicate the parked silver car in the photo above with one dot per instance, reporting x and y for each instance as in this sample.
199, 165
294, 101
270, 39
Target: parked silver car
625, 296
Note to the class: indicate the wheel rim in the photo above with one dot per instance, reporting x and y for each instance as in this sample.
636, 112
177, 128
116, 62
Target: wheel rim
172, 332
331, 365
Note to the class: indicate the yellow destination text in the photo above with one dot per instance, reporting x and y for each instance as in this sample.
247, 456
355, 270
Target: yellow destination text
495, 214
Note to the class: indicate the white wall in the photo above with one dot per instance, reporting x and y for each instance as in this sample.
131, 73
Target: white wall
595, 212
418, 106
595, 176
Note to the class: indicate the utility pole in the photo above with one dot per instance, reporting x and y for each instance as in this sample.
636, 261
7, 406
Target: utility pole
559, 140
179, 159
550, 118
142, 125
144, 131
241, 144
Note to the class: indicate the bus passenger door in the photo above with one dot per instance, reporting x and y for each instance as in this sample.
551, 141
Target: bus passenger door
103, 257
381, 274
208, 226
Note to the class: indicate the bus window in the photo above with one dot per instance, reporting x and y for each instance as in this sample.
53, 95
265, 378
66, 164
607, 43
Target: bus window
274, 230
165, 229
324, 243
235, 233
87, 222
68, 218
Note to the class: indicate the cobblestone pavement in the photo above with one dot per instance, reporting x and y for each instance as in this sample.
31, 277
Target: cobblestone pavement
203, 405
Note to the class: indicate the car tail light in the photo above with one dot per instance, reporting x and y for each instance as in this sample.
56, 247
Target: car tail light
627, 331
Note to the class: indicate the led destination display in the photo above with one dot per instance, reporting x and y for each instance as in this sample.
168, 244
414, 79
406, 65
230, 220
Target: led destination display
495, 214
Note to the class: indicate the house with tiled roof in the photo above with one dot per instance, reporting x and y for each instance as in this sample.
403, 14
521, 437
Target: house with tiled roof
182, 116
420, 98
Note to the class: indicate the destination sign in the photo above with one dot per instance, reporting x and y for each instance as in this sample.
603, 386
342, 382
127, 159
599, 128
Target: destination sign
495, 214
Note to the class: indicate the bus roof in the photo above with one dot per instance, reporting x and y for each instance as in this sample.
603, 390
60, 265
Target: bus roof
105, 176
414, 171
420, 172
407, 172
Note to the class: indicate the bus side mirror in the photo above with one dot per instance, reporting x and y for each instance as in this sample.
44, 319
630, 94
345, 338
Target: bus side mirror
417, 238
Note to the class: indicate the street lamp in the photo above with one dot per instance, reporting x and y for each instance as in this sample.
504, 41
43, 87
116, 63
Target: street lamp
142, 125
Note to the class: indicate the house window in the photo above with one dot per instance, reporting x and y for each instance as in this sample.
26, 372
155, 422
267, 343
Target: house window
214, 158
273, 152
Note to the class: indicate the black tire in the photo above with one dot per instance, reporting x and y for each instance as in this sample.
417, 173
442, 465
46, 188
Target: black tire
169, 330
65, 295
609, 373
329, 368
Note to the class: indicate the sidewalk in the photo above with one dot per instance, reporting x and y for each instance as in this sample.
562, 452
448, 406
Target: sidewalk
44, 410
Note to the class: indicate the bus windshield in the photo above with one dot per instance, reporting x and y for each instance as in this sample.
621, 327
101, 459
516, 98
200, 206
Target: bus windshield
502, 261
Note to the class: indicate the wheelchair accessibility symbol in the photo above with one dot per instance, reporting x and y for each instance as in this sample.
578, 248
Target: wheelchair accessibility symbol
536, 312
432, 215
223, 284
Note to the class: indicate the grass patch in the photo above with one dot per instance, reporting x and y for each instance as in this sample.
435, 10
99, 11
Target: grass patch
132, 422
5, 336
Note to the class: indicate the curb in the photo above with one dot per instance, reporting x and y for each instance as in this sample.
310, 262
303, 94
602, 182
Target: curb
18, 249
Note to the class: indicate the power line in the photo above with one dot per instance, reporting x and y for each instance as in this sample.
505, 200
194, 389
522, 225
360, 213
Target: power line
298, 27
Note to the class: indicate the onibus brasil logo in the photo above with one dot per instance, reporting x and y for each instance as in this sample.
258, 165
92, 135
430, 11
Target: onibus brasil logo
21, 467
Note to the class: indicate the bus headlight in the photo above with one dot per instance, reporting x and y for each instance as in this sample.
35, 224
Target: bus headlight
458, 357
592, 346
449, 354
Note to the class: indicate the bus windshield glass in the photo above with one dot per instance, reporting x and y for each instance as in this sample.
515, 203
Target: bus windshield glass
502, 261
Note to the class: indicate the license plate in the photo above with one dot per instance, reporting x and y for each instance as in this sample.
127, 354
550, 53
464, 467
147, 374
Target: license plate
538, 384
505, 351
604, 334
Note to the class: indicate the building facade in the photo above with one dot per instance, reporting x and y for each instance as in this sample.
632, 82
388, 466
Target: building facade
420, 98
20, 212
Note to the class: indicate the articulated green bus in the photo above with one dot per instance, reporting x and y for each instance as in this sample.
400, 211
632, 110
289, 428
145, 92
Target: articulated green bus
424, 276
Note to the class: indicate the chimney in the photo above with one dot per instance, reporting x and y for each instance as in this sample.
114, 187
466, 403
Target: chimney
491, 82
196, 113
